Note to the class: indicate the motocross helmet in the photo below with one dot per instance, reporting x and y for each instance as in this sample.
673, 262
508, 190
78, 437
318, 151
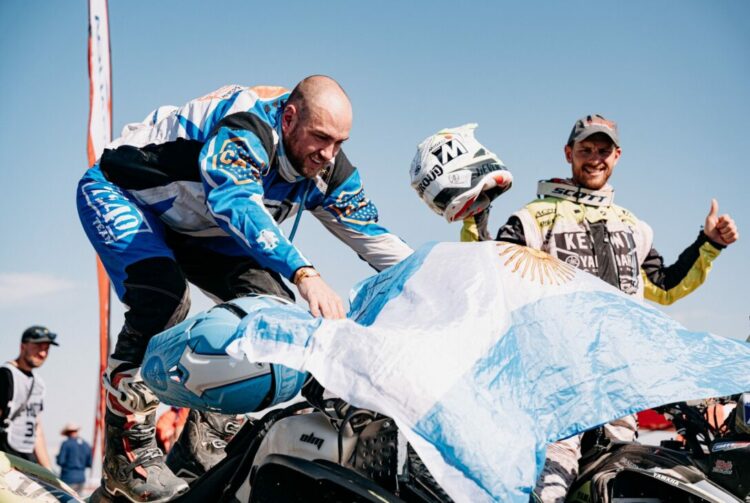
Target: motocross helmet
455, 175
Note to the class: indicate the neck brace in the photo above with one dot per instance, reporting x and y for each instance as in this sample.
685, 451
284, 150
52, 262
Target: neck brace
566, 189
286, 170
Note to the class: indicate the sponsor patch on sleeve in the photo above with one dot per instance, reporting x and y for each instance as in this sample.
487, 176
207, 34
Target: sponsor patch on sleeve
354, 207
239, 161
267, 239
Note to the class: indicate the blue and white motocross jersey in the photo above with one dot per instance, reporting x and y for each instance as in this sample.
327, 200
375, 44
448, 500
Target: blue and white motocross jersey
216, 168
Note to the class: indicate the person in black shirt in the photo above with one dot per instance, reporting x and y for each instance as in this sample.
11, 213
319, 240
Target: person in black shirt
22, 398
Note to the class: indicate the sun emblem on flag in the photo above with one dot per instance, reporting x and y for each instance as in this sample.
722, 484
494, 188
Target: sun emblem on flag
536, 265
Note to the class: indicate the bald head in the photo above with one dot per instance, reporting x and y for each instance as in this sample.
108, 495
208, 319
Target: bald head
315, 122
320, 92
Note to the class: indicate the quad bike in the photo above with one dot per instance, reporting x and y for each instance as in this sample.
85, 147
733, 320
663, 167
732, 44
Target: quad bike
318, 450
324, 450
708, 464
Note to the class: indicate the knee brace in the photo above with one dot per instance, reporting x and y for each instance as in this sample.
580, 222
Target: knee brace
188, 365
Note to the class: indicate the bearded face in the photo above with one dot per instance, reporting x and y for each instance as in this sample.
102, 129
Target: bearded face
33, 354
313, 137
593, 161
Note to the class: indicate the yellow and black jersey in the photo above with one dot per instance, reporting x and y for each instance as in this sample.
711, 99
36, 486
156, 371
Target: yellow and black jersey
607, 241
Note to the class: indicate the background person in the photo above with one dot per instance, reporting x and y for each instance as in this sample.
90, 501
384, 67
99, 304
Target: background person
74, 457
22, 398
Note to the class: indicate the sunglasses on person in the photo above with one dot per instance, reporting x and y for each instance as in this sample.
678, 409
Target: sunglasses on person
39, 334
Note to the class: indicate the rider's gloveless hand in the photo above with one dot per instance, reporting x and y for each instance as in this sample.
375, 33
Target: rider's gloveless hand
323, 301
720, 229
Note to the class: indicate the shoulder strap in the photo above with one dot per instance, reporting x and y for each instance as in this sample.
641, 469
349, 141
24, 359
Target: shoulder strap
543, 213
18, 410
564, 190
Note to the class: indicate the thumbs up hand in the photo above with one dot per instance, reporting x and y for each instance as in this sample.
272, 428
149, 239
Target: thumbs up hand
720, 229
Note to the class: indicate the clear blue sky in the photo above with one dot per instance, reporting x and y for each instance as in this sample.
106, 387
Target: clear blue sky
674, 74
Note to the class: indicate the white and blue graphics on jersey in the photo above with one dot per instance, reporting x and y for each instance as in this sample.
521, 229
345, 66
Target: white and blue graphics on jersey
215, 172
485, 352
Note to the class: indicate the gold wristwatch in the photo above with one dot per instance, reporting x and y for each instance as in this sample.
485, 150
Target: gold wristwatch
304, 272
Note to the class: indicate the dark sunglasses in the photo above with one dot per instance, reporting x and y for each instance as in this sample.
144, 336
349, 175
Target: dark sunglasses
39, 333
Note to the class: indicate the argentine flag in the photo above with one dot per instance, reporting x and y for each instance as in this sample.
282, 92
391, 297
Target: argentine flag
484, 353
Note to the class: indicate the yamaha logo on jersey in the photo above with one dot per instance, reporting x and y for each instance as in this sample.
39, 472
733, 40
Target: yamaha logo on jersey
446, 152
575, 248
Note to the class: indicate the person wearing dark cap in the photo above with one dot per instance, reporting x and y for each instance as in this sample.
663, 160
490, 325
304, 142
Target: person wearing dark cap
576, 220
22, 398
74, 457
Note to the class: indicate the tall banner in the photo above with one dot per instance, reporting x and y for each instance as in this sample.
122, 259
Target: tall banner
99, 135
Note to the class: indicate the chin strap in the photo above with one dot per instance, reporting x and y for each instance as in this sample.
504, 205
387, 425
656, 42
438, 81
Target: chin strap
566, 189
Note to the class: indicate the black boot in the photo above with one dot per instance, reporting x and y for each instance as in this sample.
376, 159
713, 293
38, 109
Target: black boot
201, 444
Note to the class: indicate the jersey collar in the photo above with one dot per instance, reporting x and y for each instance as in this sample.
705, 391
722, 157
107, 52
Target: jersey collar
566, 189
286, 170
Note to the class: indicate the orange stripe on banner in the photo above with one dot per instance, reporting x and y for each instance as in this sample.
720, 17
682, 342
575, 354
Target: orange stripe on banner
104, 298
99, 135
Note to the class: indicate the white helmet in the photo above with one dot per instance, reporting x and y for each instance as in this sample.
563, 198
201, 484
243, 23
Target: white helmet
455, 175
